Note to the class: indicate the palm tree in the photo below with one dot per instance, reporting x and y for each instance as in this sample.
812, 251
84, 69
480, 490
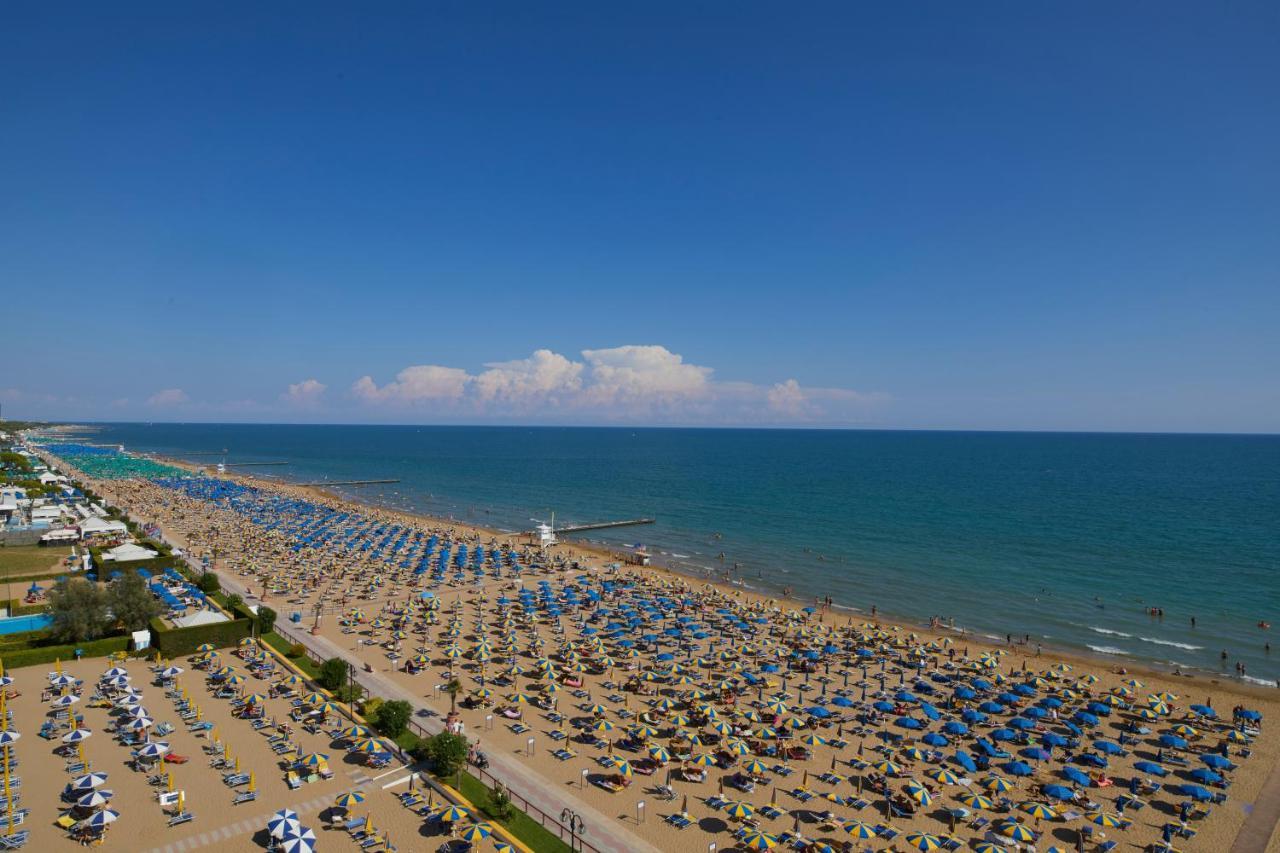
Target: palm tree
452, 689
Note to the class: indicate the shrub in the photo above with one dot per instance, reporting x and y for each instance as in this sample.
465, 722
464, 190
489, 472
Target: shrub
333, 674
392, 717
370, 706
500, 803
349, 693
447, 753
208, 583
79, 610
235, 602
297, 650
266, 620
131, 603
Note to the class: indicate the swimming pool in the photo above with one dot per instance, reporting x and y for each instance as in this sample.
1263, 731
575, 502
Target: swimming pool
21, 624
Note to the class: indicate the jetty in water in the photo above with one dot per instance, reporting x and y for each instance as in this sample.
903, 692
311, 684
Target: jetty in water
602, 525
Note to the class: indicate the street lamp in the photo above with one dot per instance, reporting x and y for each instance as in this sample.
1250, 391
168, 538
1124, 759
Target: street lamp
577, 826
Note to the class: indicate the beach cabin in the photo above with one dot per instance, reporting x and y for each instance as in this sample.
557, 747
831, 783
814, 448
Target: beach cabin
128, 553
101, 527
60, 536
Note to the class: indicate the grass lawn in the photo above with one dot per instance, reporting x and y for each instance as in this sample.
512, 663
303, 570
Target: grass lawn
304, 663
20, 560
521, 825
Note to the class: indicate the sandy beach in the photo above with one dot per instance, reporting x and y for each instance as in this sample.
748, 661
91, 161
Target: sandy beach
628, 697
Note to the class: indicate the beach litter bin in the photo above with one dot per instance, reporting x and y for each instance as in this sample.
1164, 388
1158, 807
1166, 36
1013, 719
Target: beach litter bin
295, 616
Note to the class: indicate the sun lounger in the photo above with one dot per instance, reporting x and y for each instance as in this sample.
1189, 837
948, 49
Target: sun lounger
181, 818
14, 841
679, 821
244, 797
564, 754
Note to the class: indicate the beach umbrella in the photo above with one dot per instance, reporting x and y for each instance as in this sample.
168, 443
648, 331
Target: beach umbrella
858, 829
1150, 767
314, 759
888, 767
702, 760
1172, 742
1109, 820
349, 799
740, 810
1039, 811
88, 781
76, 736
1058, 792
919, 793
298, 839
755, 768
658, 753
943, 775
1076, 775
996, 785
282, 821
453, 813
101, 819
354, 732
155, 749
1018, 768
988, 847
1195, 792
65, 701
93, 799
975, 801
923, 841
1205, 775
476, 832
1016, 831
758, 841
1216, 761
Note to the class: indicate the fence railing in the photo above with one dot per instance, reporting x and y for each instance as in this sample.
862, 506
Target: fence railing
548, 822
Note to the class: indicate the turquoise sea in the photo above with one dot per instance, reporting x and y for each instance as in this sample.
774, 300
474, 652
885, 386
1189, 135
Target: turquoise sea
1066, 537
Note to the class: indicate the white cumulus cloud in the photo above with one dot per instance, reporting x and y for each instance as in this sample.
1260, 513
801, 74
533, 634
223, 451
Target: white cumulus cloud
643, 374
543, 376
168, 397
305, 393
628, 383
415, 384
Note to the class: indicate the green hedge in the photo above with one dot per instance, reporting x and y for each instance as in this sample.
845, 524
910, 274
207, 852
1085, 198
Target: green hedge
48, 654
176, 642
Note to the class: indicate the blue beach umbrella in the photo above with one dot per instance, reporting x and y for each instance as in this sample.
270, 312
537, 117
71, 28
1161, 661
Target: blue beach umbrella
1150, 767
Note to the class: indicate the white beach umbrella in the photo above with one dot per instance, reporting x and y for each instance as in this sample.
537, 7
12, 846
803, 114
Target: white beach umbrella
115, 671
298, 840
140, 723
282, 822
76, 736
88, 781
62, 680
171, 671
101, 819
66, 701
155, 749
93, 799
7, 737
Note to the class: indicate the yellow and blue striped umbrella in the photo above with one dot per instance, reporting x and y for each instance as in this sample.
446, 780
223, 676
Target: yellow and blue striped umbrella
858, 829
923, 841
1039, 811
349, 799
758, 841
453, 813
740, 810
476, 832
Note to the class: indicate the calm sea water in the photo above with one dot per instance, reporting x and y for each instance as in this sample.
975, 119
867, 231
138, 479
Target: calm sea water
1066, 537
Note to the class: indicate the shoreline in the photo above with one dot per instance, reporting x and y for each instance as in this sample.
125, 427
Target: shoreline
1050, 652
240, 565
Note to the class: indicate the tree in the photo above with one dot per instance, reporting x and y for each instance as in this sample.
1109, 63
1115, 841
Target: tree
392, 717
131, 603
453, 688
234, 601
333, 674
500, 803
79, 610
209, 583
266, 620
446, 752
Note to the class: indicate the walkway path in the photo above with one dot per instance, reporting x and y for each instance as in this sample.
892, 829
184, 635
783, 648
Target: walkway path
603, 832
248, 826
1260, 825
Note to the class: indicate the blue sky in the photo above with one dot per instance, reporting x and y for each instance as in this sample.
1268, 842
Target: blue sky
929, 216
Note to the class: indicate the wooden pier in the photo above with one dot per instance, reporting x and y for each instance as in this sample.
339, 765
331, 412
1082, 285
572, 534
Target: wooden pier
602, 525
347, 483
